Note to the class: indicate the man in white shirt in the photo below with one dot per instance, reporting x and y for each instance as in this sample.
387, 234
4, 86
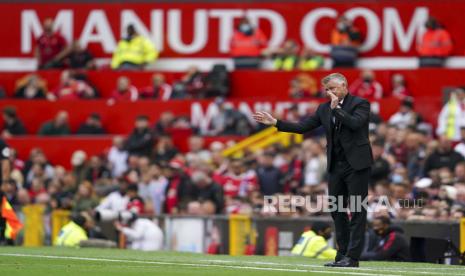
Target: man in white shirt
142, 234
118, 157
113, 203
405, 117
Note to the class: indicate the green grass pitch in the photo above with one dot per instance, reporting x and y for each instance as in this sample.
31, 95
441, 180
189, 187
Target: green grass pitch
52, 261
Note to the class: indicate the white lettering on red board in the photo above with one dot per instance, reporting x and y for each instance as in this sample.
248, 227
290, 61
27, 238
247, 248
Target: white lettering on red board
386, 28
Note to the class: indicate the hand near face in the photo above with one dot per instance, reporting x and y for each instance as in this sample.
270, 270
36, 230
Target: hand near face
334, 99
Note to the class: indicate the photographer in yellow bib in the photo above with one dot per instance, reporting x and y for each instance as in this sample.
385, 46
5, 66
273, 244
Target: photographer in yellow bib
314, 243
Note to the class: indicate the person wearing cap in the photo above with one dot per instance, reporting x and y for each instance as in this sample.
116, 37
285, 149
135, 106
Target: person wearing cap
92, 125
314, 243
405, 116
12, 124
140, 142
142, 233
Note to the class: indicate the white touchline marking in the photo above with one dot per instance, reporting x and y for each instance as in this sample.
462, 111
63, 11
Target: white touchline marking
355, 268
190, 264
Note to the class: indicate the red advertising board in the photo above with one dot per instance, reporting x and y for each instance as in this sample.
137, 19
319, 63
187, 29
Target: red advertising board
203, 29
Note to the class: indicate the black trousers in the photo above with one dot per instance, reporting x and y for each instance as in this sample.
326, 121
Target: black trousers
344, 183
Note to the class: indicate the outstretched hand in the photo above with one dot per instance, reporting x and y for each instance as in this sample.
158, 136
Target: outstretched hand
264, 118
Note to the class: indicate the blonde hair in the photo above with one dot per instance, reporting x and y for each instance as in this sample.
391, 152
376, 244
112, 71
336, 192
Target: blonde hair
334, 76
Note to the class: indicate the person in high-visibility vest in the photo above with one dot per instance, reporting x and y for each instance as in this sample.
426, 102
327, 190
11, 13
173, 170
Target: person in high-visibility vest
452, 115
133, 52
314, 243
73, 233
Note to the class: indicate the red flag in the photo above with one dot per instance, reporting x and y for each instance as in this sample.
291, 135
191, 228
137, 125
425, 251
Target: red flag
13, 225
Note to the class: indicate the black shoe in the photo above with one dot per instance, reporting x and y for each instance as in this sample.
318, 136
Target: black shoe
331, 264
346, 262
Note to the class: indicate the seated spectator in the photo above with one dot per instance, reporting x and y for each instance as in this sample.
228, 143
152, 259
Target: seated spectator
216, 82
117, 157
73, 233
160, 89
452, 115
51, 47
247, 44
269, 177
460, 147
303, 86
204, 189
443, 156
92, 126
31, 87
399, 89
435, 45
314, 243
134, 52
164, 150
12, 124
140, 141
309, 60
57, 126
345, 39
229, 121
71, 88
85, 199
380, 169
164, 123
392, 245
97, 171
367, 86
286, 57
125, 91
191, 85
405, 117
79, 57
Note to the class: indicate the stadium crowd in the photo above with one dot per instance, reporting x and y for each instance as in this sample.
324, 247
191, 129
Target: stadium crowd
146, 174
409, 164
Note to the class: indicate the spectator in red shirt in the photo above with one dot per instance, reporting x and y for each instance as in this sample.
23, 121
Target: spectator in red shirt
160, 89
50, 47
247, 42
71, 88
234, 181
399, 90
367, 86
125, 91
436, 41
